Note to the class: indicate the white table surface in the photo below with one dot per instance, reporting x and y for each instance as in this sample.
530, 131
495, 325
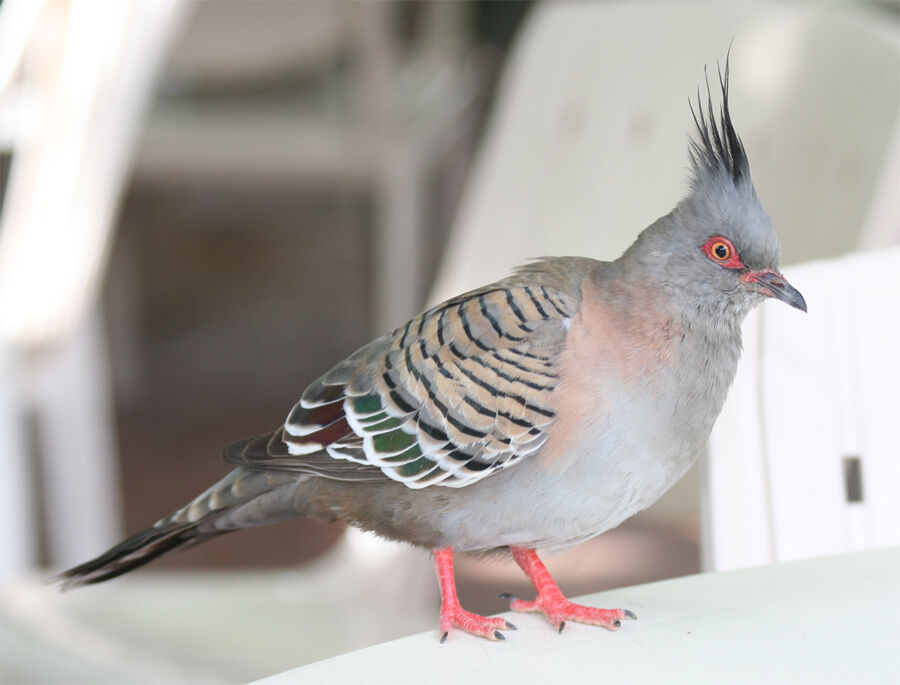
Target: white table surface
829, 620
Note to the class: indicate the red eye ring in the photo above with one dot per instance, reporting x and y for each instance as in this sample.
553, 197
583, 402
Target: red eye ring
721, 250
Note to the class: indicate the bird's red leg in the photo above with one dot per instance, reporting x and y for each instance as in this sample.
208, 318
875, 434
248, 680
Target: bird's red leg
552, 603
452, 614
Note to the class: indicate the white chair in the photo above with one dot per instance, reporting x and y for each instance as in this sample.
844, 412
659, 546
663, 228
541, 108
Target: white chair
803, 460
84, 73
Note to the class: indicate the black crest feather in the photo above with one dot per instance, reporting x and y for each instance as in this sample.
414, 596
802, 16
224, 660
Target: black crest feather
717, 147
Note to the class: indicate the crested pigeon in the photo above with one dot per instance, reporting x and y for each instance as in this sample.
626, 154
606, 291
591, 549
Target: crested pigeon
530, 414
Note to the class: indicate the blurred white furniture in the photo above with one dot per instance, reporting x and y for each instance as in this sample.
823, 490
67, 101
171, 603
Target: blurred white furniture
833, 620
830, 620
392, 110
211, 627
588, 145
72, 94
79, 74
803, 460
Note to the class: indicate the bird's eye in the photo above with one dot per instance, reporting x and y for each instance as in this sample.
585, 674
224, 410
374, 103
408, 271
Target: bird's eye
720, 250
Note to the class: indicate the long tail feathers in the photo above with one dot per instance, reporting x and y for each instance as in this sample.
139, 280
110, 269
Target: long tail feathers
134, 552
243, 498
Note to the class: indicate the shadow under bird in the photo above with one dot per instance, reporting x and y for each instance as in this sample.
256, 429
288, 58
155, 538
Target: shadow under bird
531, 414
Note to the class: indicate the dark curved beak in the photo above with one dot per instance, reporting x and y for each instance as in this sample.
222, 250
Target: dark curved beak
772, 284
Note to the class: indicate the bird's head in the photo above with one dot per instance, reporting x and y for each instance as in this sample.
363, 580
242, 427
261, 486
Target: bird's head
717, 250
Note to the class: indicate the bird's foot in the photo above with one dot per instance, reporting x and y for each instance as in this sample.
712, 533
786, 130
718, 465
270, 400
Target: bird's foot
454, 616
558, 610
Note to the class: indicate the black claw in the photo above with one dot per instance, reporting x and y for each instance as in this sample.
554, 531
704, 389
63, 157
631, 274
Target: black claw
510, 626
498, 635
617, 623
562, 624
506, 595
630, 614
444, 637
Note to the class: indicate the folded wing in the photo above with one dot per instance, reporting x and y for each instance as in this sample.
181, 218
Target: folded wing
460, 392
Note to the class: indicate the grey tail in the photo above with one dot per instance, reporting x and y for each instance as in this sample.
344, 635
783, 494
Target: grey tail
134, 552
242, 499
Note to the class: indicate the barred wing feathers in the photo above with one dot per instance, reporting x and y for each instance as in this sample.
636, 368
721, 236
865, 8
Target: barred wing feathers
458, 393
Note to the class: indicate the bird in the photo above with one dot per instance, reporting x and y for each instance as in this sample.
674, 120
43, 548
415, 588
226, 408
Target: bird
525, 416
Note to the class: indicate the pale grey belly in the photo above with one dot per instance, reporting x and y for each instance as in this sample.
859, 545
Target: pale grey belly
607, 480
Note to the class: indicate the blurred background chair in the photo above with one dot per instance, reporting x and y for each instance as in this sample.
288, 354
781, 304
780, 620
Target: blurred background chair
70, 121
73, 117
803, 459
395, 103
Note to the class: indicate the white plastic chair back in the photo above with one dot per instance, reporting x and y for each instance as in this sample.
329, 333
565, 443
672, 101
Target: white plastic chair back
803, 460
588, 143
